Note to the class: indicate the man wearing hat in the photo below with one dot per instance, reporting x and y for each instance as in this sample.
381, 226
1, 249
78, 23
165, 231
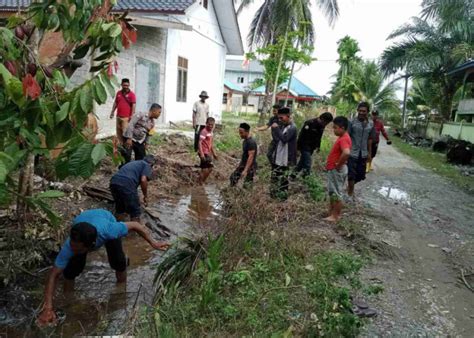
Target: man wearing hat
124, 184
200, 115
248, 164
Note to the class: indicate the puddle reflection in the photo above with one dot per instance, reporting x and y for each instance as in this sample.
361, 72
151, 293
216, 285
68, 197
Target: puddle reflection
395, 194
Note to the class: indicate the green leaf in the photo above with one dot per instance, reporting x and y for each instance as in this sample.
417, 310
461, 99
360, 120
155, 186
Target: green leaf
81, 51
103, 56
43, 206
62, 112
15, 91
98, 153
100, 91
3, 172
6, 75
60, 79
50, 194
108, 84
107, 26
53, 22
115, 30
80, 163
86, 99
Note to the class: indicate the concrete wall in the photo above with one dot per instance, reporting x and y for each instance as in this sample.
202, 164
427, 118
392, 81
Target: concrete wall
463, 131
151, 45
205, 50
249, 77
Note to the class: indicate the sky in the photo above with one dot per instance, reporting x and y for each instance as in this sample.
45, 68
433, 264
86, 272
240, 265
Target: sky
367, 21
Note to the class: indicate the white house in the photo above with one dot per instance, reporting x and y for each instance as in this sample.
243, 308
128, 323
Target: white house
181, 50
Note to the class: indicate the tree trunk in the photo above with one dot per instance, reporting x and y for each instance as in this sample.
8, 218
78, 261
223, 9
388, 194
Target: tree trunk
280, 64
267, 104
25, 187
446, 105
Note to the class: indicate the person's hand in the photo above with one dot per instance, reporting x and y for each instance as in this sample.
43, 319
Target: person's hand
389, 142
275, 125
46, 317
128, 143
145, 201
163, 246
244, 173
111, 115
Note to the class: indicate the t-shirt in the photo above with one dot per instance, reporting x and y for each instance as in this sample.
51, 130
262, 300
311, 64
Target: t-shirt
201, 111
129, 175
272, 120
124, 103
310, 135
205, 138
139, 127
248, 145
107, 229
379, 128
343, 142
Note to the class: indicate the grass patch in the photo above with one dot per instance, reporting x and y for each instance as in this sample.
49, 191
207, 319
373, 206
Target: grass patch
435, 162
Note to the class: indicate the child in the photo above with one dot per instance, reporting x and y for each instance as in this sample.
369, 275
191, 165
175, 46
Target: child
206, 150
336, 167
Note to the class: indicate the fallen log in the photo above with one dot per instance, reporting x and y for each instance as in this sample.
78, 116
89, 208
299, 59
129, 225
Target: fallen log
98, 192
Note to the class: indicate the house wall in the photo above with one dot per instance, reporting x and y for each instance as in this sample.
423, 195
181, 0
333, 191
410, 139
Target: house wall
205, 50
249, 77
151, 46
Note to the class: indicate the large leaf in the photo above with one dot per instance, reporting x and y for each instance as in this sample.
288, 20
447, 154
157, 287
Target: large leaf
115, 30
98, 153
6, 75
62, 112
3, 172
86, 100
15, 91
80, 162
100, 92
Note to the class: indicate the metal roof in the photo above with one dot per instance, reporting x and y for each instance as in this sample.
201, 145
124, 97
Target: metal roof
161, 6
232, 86
236, 66
297, 87
464, 66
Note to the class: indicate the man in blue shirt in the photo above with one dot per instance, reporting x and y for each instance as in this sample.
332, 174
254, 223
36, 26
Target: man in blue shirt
124, 184
91, 230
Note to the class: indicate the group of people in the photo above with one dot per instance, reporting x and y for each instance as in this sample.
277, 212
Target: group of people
350, 157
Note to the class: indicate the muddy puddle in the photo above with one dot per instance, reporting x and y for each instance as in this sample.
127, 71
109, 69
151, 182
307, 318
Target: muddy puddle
99, 305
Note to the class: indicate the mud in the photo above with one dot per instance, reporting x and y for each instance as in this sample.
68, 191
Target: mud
430, 224
99, 305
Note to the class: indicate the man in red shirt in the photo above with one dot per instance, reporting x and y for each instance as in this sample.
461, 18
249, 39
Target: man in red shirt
125, 102
206, 150
336, 167
379, 128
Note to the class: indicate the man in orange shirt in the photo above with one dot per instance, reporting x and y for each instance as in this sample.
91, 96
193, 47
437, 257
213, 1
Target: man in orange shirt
125, 102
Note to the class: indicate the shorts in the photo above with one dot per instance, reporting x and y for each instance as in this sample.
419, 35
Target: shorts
336, 181
115, 255
374, 149
206, 162
126, 201
356, 168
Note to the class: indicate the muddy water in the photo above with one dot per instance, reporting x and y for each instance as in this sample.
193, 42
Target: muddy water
99, 305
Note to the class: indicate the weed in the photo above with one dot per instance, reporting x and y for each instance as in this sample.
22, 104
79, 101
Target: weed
315, 187
374, 289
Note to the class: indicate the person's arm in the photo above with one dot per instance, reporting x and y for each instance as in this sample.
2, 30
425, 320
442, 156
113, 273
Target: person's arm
134, 105
384, 133
129, 131
346, 152
300, 139
200, 151
214, 155
278, 134
145, 234
47, 315
369, 148
114, 107
144, 187
194, 114
262, 128
249, 162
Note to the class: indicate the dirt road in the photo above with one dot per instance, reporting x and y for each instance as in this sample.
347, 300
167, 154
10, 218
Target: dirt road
429, 236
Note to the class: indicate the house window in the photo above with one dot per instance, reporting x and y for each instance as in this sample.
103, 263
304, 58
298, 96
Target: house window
182, 79
240, 79
204, 3
224, 98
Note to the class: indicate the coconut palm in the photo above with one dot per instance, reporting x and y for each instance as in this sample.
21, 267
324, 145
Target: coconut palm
433, 45
275, 17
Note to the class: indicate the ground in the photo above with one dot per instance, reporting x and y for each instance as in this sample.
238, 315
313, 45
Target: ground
430, 228
414, 226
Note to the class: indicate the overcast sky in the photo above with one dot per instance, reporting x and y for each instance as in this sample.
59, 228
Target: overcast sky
367, 21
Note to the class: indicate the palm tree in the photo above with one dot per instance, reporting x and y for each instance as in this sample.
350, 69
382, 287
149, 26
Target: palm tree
434, 44
365, 82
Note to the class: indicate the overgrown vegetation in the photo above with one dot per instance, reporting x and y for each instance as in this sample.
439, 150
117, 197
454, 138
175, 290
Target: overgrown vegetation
435, 162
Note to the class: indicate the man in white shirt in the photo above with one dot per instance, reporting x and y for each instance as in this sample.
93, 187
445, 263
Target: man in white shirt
200, 115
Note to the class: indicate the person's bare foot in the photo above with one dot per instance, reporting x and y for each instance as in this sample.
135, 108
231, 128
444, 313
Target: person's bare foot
331, 219
121, 276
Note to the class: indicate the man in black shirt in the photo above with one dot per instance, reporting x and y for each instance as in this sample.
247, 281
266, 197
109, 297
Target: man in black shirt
309, 140
248, 164
273, 119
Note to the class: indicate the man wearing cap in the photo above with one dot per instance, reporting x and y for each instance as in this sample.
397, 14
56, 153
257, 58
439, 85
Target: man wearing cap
284, 135
124, 184
200, 115
248, 163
